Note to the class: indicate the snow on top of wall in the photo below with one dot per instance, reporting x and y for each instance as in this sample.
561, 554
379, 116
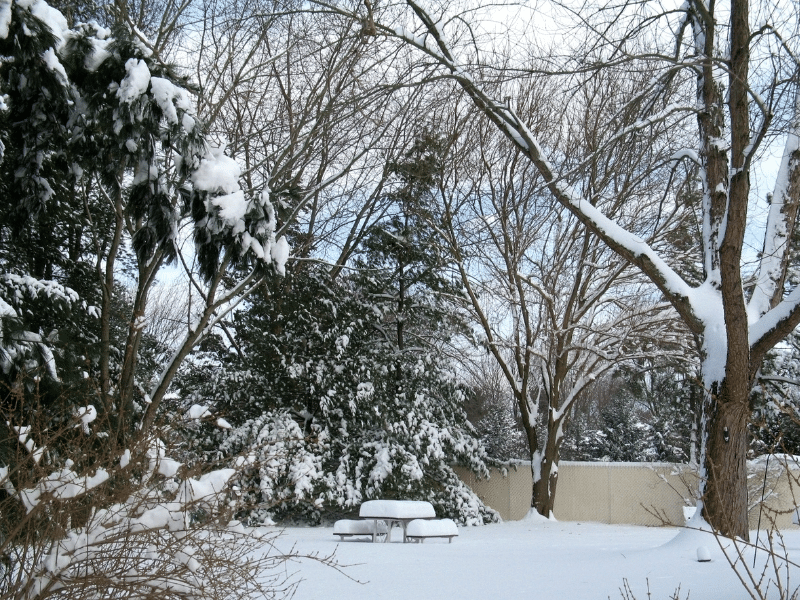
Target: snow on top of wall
520, 463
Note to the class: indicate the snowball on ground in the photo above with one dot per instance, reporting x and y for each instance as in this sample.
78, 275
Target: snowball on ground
437, 527
356, 527
397, 509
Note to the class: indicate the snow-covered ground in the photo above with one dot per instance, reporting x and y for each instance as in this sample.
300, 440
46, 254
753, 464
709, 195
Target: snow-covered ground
534, 559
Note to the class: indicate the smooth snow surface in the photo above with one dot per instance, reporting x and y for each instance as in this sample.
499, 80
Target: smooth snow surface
536, 559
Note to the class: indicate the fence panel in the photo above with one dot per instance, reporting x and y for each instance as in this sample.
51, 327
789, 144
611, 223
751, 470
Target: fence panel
633, 493
639, 493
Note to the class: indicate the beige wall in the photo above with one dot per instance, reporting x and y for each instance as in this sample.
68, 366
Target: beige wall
632, 493
781, 492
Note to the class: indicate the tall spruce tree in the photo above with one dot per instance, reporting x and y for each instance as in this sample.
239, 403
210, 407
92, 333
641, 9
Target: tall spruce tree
341, 392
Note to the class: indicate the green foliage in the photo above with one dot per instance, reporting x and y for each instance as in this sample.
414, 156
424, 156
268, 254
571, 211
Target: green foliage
648, 418
101, 152
401, 263
501, 434
775, 401
339, 390
329, 412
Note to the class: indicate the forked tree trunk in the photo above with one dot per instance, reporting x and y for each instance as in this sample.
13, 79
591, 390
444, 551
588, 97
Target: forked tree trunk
544, 489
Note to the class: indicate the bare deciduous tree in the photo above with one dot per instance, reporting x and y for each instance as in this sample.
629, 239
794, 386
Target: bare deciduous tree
726, 75
557, 308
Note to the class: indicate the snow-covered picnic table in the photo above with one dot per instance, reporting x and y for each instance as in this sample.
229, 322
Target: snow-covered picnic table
400, 512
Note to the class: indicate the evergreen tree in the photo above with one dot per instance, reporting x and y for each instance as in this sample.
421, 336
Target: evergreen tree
490, 408
648, 418
775, 402
500, 433
100, 149
316, 408
341, 392
401, 264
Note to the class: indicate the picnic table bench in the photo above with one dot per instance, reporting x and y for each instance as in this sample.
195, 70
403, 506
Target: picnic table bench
353, 527
419, 530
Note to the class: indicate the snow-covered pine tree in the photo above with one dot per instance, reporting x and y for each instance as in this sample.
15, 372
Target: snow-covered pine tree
48, 323
316, 410
404, 274
647, 417
490, 408
776, 401
341, 392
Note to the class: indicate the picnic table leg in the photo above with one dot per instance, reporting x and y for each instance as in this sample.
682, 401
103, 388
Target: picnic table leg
389, 525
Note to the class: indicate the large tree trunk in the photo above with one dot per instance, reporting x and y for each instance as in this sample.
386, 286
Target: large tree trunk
544, 488
724, 491
728, 411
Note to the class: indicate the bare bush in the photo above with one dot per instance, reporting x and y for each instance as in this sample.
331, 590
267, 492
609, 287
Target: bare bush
135, 526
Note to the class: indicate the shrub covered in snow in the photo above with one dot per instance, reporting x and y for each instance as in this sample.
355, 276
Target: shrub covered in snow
327, 413
340, 390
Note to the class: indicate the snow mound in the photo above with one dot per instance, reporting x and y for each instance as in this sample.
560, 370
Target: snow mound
534, 516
